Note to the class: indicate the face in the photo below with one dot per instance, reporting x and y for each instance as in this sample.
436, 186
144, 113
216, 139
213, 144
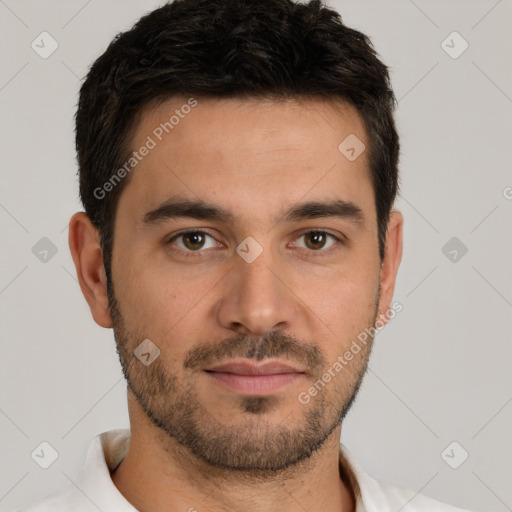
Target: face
248, 276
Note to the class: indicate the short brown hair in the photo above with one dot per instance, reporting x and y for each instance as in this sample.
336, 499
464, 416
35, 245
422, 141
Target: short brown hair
222, 49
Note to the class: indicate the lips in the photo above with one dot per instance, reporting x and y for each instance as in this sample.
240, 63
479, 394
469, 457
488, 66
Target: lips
249, 368
247, 378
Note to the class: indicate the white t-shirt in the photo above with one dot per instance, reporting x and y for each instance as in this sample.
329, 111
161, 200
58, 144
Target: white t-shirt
93, 489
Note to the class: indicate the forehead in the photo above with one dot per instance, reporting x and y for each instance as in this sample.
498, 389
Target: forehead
250, 153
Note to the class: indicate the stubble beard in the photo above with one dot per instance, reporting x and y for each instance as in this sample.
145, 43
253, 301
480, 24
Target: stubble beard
252, 444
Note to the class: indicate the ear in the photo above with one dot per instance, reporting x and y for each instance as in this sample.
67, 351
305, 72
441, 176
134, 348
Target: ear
88, 258
390, 263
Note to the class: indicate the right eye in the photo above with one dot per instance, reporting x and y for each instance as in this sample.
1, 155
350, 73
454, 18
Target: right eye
191, 240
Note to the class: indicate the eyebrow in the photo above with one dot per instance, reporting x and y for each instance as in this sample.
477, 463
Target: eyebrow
198, 209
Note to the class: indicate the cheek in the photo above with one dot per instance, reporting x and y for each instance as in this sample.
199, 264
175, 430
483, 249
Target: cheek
145, 296
163, 304
353, 283
347, 306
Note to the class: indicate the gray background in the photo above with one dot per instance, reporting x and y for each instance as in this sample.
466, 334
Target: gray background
440, 371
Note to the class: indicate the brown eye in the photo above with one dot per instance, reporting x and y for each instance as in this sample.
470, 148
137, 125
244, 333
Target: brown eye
317, 241
192, 241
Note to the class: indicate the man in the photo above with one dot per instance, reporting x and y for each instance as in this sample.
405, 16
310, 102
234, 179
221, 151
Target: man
238, 169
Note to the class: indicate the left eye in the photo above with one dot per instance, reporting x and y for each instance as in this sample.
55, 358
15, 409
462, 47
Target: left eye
316, 240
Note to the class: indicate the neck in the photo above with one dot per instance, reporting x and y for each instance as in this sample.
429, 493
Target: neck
158, 474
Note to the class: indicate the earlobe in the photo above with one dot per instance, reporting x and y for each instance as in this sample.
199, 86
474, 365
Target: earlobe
391, 261
88, 259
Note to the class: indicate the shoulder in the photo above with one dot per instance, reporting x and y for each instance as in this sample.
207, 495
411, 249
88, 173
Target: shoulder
373, 495
91, 489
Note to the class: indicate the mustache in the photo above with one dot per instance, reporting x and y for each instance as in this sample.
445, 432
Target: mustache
274, 345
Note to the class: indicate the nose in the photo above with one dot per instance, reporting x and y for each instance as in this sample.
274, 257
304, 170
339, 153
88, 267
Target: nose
257, 298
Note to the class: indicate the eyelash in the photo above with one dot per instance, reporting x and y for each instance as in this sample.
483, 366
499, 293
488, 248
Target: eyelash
189, 253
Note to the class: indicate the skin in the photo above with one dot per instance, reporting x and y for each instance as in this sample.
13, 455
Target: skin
255, 158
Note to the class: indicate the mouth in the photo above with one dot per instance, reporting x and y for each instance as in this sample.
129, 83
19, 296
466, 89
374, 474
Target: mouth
251, 368
249, 378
